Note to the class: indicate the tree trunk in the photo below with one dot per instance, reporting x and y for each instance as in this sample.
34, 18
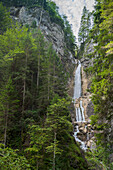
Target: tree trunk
6, 122
54, 76
37, 165
54, 153
38, 71
24, 93
48, 84
24, 82
32, 91
49, 78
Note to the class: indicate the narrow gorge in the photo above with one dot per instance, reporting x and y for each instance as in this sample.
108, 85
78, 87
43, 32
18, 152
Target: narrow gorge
56, 89
84, 133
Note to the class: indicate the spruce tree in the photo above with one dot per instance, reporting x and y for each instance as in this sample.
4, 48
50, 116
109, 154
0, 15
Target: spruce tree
5, 20
102, 86
84, 26
52, 144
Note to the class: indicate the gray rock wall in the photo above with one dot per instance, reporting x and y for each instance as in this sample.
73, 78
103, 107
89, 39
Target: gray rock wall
52, 32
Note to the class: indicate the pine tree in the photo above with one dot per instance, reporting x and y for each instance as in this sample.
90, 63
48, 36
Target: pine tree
5, 20
31, 91
52, 146
84, 26
102, 87
9, 106
68, 35
9, 159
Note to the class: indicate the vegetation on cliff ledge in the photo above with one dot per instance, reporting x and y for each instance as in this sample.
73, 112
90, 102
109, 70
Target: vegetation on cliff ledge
101, 34
35, 124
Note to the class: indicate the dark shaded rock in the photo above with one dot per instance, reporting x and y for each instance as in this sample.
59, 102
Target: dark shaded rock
14, 11
89, 86
111, 157
90, 109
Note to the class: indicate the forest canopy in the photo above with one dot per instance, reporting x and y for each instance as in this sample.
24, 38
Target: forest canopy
100, 36
35, 123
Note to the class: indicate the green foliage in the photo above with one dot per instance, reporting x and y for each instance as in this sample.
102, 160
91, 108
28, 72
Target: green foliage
95, 158
68, 35
52, 145
34, 108
102, 81
10, 160
5, 19
33, 25
54, 14
84, 31
109, 48
94, 119
35, 70
55, 17
20, 3
84, 26
9, 106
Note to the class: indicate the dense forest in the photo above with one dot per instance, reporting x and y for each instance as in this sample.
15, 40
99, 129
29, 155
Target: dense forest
35, 122
36, 131
101, 38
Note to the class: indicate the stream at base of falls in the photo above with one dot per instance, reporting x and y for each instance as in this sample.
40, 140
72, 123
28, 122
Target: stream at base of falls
80, 117
83, 145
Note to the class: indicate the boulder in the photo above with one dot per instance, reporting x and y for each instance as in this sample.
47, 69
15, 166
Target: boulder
88, 144
83, 130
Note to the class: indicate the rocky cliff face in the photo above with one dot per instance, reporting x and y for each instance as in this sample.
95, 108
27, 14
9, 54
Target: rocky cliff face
52, 32
85, 128
86, 132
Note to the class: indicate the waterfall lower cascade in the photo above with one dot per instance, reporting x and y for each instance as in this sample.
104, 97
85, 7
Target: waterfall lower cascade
80, 117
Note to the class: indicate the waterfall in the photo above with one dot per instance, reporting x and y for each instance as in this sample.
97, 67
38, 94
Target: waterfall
82, 112
79, 110
77, 88
83, 146
77, 94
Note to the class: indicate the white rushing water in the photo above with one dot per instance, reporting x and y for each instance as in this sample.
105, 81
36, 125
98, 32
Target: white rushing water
80, 110
77, 88
83, 146
80, 113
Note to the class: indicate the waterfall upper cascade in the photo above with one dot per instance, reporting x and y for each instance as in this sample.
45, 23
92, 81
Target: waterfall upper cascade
77, 88
80, 117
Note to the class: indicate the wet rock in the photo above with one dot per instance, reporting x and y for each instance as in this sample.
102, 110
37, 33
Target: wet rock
81, 129
85, 130
79, 134
83, 124
89, 126
88, 144
82, 137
